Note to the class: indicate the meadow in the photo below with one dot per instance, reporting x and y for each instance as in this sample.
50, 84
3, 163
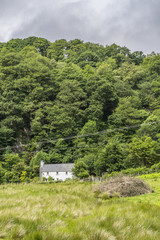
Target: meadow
71, 211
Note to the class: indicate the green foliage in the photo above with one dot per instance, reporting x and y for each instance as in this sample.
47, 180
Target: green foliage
136, 171
23, 176
142, 152
56, 50
97, 192
40, 156
128, 114
151, 126
89, 159
57, 90
155, 167
49, 179
43, 179
105, 196
2, 172
80, 170
10, 160
112, 174
111, 158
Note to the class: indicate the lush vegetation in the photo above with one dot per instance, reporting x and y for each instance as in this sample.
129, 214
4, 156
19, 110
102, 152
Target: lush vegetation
72, 211
51, 91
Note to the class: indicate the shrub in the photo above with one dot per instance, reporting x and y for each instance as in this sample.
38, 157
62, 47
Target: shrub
15, 179
49, 179
136, 171
97, 192
105, 196
155, 167
113, 174
80, 170
23, 176
36, 180
132, 172
27, 180
59, 181
43, 179
116, 195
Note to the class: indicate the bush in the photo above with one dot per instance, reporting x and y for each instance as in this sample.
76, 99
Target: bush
97, 192
80, 170
44, 179
27, 180
116, 195
59, 181
36, 180
2, 173
15, 179
105, 196
49, 179
113, 174
83, 174
155, 167
136, 171
132, 172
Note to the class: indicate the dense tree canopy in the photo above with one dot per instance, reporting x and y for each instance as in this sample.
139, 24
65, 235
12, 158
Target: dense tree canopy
51, 92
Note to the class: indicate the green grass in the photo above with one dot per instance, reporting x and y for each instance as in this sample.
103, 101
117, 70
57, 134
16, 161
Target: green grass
70, 211
153, 199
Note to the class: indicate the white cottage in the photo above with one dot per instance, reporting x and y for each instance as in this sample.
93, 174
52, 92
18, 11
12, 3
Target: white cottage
56, 171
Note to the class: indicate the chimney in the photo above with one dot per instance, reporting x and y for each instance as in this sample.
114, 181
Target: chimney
42, 163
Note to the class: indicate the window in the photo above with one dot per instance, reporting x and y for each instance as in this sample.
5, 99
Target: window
57, 173
66, 173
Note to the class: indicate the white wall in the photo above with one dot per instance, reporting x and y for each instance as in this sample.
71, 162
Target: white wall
60, 176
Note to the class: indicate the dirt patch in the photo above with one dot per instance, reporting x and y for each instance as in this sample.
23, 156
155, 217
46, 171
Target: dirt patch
124, 186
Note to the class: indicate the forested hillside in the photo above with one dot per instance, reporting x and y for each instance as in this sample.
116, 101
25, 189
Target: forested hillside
50, 92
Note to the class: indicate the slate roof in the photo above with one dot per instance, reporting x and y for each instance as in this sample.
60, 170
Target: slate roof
63, 167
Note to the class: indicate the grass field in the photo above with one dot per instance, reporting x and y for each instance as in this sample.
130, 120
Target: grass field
72, 212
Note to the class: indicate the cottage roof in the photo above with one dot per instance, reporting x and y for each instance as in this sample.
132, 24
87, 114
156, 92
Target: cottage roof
63, 167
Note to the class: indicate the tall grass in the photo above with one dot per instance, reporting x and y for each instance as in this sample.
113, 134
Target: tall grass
71, 212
